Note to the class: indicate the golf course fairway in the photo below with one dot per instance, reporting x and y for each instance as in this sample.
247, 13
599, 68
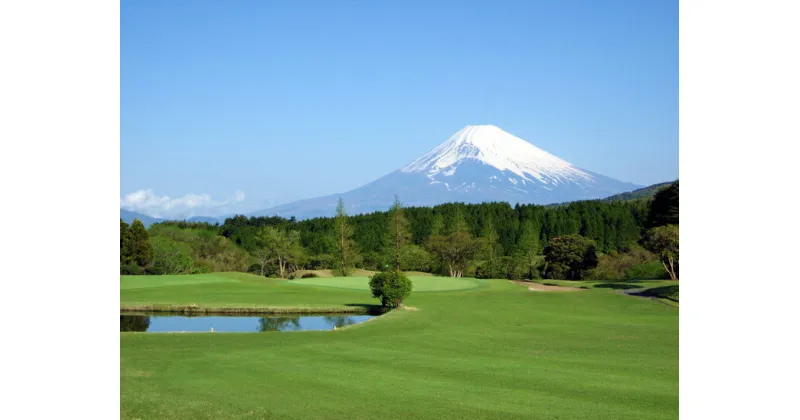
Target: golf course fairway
495, 350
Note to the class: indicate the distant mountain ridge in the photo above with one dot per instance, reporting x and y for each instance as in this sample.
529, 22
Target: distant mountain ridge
128, 216
646, 192
641, 193
477, 164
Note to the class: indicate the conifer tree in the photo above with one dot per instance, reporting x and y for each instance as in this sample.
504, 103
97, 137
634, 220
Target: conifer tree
141, 250
529, 246
124, 243
398, 230
344, 241
490, 242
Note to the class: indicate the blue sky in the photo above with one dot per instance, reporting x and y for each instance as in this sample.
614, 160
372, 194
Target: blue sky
235, 106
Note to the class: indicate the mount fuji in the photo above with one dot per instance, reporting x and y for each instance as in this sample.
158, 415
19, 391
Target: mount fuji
479, 163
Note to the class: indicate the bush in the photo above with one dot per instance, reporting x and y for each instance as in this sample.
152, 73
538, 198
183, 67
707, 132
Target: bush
130, 269
309, 276
202, 266
648, 270
391, 287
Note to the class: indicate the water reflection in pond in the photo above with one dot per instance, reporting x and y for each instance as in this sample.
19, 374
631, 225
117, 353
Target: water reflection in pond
221, 323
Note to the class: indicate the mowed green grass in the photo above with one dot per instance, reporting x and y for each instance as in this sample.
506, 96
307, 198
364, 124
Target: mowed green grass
421, 284
495, 352
140, 282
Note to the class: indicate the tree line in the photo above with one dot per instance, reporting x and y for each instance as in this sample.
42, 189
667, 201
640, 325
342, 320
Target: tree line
483, 240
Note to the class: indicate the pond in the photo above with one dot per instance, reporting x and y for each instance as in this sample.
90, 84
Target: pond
162, 322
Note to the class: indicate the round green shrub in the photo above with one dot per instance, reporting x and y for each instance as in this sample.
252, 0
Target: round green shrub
391, 287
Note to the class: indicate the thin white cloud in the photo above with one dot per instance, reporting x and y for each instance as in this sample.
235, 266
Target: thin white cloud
147, 202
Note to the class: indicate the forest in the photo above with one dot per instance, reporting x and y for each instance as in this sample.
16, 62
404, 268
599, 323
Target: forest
600, 239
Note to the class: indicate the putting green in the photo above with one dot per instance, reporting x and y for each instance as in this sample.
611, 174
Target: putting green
421, 283
143, 282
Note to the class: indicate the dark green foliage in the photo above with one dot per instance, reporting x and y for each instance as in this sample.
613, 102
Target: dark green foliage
141, 250
519, 233
664, 207
309, 276
125, 252
569, 256
131, 269
391, 287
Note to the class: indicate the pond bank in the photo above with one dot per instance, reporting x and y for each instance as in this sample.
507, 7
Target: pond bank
196, 309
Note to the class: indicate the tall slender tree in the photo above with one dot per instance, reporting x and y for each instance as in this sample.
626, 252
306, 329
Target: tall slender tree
398, 230
437, 225
141, 250
529, 246
124, 243
344, 241
490, 242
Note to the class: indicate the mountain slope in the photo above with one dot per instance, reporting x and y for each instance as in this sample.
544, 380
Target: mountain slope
646, 192
127, 216
476, 164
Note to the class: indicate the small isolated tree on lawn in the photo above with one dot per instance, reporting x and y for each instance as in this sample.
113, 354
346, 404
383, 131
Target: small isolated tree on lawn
663, 241
569, 256
391, 287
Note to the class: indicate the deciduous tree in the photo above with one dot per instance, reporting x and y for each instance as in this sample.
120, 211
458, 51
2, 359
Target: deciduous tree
279, 246
569, 256
456, 251
663, 241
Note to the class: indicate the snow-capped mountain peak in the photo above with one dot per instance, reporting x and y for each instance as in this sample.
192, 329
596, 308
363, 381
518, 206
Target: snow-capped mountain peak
492, 146
479, 163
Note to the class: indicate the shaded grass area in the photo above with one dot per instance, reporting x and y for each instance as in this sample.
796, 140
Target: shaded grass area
606, 284
496, 352
665, 292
